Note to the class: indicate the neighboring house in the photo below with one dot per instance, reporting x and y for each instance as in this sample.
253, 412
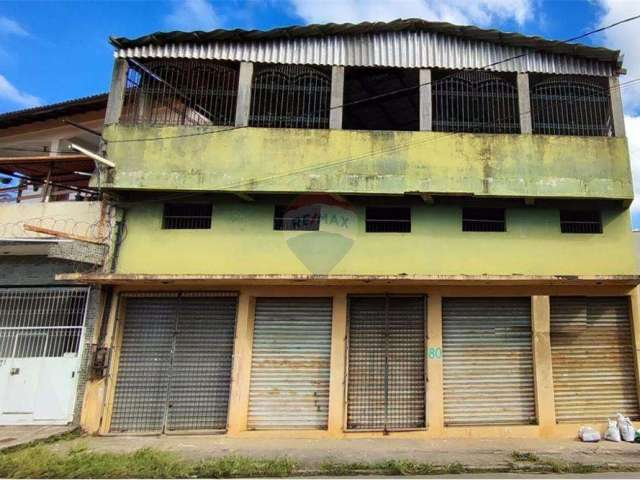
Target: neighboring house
348, 230
45, 325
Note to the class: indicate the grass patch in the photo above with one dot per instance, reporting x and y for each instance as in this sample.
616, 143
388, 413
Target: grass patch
524, 457
388, 467
565, 467
236, 466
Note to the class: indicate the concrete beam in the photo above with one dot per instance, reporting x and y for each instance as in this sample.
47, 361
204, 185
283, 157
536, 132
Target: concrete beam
542, 364
435, 376
243, 106
617, 110
524, 103
117, 91
338, 365
337, 97
426, 115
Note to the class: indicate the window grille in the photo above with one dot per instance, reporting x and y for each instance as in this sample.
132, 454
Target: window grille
483, 220
570, 105
181, 92
305, 218
41, 322
290, 96
585, 221
187, 216
388, 219
475, 101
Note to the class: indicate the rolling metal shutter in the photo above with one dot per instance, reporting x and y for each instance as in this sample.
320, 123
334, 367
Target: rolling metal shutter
488, 361
386, 376
592, 353
290, 364
175, 363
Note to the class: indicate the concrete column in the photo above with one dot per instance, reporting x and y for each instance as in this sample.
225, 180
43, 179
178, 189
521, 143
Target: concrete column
337, 97
426, 107
243, 107
524, 103
435, 383
617, 110
338, 364
241, 372
635, 333
542, 368
116, 94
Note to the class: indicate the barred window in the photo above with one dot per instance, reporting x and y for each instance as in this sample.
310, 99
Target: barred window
305, 218
381, 99
181, 92
388, 219
290, 96
475, 101
187, 216
580, 221
571, 105
483, 220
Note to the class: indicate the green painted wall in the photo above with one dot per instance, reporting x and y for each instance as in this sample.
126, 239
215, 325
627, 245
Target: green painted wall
242, 241
291, 160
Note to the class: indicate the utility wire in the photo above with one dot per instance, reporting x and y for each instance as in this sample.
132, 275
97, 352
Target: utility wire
393, 92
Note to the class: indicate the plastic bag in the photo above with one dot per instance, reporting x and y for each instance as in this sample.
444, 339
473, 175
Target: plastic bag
627, 432
589, 434
613, 432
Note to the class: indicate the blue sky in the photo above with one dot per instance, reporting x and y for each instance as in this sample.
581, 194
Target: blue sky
51, 51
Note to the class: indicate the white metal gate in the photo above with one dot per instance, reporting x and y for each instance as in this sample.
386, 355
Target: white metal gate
41, 331
174, 370
488, 361
592, 351
290, 364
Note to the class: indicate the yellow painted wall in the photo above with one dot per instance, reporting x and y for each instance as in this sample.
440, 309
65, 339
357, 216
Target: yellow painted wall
242, 241
372, 162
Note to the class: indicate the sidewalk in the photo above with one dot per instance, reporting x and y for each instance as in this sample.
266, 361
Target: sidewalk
10, 436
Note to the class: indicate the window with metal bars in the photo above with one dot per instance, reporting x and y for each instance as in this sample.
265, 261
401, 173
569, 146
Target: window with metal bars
305, 219
580, 221
187, 216
381, 99
475, 101
388, 219
483, 220
181, 92
571, 105
290, 96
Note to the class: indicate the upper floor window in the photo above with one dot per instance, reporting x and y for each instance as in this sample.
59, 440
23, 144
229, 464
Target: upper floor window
388, 219
181, 92
187, 216
483, 220
580, 221
290, 96
304, 218
475, 101
381, 99
570, 105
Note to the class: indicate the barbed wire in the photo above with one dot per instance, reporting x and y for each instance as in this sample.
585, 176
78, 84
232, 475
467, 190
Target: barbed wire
97, 231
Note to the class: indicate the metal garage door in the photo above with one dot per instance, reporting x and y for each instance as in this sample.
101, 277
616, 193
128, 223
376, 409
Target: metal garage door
386, 372
290, 363
592, 351
175, 363
488, 361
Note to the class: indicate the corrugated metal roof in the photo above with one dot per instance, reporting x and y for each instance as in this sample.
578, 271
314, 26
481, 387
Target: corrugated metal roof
348, 29
53, 110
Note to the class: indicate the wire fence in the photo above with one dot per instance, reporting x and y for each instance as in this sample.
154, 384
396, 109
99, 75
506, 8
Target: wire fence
99, 231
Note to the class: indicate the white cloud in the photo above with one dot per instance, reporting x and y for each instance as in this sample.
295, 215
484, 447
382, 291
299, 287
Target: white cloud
11, 27
477, 12
10, 93
192, 15
624, 37
632, 128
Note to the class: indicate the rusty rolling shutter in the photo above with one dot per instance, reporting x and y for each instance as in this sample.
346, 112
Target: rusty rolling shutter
593, 366
175, 363
386, 372
290, 364
488, 361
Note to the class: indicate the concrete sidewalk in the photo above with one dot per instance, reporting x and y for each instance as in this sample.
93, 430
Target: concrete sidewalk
11, 436
491, 454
